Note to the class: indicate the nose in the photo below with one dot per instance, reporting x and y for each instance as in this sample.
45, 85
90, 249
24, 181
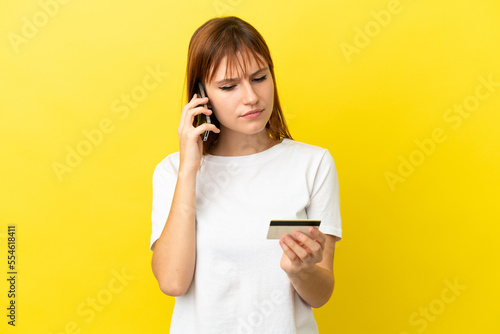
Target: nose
250, 97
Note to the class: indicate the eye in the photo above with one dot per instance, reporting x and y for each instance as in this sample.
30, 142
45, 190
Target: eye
262, 78
226, 87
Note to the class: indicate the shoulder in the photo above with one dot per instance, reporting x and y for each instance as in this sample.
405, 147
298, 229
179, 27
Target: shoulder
302, 146
169, 165
304, 150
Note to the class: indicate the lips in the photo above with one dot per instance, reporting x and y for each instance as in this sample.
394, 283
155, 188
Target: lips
253, 113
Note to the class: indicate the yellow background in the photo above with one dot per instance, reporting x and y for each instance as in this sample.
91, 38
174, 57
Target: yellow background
402, 244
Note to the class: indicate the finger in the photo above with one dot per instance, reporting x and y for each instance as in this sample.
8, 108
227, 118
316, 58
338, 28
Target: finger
318, 236
295, 247
315, 249
195, 101
288, 251
191, 114
188, 118
207, 127
184, 109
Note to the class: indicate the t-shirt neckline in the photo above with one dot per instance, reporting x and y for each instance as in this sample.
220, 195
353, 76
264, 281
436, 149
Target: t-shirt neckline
249, 157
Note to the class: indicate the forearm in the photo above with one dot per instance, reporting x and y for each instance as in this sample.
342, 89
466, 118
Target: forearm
174, 253
315, 287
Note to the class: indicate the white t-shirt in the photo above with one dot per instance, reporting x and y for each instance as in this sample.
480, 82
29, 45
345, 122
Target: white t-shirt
238, 285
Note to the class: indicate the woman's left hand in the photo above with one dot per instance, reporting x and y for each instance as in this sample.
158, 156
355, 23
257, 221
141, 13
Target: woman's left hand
300, 252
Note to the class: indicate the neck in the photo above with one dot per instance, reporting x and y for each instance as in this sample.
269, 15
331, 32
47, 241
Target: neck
232, 143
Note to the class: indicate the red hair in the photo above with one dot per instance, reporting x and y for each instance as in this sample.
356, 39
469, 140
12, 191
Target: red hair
230, 37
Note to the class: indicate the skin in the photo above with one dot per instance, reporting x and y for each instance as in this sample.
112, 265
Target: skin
308, 262
230, 100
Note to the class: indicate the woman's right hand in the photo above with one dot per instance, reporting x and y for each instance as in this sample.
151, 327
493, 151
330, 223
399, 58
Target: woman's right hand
190, 142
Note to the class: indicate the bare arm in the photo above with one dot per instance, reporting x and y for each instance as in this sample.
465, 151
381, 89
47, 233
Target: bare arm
309, 265
174, 253
175, 250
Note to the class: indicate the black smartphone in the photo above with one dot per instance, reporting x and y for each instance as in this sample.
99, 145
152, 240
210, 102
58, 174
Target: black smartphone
202, 118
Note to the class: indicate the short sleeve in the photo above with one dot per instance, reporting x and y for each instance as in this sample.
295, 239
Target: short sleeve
325, 200
164, 181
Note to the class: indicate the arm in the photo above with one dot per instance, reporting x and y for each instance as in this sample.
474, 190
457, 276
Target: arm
174, 253
308, 262
309, 265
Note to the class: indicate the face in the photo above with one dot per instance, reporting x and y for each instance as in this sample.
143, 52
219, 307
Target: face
242, 102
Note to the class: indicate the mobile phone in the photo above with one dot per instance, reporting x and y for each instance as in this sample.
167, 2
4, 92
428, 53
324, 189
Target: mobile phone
202, 118
279, 227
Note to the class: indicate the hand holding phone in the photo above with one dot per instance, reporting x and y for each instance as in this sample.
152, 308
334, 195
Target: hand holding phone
202, 118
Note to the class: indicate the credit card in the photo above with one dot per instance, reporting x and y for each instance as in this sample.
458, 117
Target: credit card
279, 227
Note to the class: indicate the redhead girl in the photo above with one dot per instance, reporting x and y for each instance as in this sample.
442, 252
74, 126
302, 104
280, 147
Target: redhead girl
213, 200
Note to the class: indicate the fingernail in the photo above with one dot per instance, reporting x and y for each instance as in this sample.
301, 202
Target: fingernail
287, 238
296, 234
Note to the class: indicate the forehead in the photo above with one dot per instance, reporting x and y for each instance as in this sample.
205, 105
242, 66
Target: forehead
236, 66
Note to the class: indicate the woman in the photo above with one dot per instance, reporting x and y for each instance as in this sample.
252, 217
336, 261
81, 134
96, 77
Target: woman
213, 200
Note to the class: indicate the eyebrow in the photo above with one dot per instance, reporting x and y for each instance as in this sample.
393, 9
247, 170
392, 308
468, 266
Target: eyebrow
228, 80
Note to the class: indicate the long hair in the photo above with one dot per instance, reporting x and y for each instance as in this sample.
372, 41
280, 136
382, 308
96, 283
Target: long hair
229, 37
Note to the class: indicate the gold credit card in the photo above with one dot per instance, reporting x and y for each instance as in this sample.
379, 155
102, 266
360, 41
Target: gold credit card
279, 227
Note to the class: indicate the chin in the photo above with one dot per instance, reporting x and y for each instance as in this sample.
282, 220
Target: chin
251, 128
256, 129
